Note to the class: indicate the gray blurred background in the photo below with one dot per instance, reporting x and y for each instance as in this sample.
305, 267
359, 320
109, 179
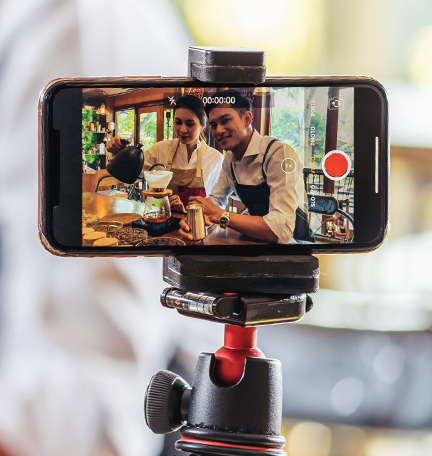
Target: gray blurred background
80, 338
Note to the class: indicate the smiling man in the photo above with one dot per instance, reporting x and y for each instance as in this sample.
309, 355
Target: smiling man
254, 170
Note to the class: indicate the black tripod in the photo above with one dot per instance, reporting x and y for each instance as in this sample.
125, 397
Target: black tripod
234, 406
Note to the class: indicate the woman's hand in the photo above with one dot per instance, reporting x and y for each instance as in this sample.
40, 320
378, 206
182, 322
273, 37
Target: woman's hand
114, 144
176, 204
210, 210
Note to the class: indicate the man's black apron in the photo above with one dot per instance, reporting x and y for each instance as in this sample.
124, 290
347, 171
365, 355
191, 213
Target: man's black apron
257, 200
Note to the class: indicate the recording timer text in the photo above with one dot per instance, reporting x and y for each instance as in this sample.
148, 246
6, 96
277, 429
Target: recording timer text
218, 100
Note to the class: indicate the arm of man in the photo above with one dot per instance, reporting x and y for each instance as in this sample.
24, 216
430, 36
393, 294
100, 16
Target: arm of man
286, 191
252, 226
278, 224
212, 167
222, 190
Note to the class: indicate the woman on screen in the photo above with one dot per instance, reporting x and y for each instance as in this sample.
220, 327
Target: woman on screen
194, 164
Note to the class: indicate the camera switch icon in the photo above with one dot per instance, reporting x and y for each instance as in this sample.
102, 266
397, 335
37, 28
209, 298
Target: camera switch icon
336, 103
288, 165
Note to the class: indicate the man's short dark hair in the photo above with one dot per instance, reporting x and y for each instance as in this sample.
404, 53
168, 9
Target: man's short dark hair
241, 103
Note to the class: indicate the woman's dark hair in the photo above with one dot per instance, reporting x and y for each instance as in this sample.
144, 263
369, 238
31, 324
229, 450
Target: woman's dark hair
241, 103
195, 105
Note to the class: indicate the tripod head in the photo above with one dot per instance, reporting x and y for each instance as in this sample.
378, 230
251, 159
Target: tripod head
234, 406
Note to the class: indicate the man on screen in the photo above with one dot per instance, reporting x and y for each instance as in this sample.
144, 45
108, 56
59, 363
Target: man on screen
265, 174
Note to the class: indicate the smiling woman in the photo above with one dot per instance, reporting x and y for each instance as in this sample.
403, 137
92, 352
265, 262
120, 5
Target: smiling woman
195, 165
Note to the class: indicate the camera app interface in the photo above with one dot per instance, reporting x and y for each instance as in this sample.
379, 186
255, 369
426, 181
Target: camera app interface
212, 166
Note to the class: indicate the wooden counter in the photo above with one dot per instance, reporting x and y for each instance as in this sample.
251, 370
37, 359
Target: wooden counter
101, 205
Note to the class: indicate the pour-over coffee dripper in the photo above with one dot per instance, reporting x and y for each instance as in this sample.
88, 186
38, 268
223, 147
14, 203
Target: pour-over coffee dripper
157, 208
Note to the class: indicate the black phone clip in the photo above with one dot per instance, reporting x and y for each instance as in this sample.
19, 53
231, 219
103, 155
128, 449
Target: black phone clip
234, 406
227, 64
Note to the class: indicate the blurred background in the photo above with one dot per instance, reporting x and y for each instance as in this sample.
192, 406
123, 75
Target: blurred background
80, 338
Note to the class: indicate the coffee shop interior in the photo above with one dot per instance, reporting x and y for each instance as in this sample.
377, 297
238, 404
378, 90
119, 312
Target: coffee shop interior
144, 116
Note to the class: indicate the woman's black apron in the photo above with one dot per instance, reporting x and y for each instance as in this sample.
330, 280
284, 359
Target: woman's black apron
257, 200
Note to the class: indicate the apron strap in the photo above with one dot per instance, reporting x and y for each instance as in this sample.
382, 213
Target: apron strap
174, 147
173, 151
199, 160
232, 174
265, 155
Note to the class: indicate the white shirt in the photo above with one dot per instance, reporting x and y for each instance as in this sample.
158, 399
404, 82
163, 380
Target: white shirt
286, 188
211, 161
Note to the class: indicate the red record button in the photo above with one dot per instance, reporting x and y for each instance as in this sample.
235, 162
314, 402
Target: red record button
336, 165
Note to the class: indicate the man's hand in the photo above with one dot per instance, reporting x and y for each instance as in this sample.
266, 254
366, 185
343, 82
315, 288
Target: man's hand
176, 204
114, 144
212, 212
184, 230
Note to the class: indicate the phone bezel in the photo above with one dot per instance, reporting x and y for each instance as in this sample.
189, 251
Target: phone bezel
377, 114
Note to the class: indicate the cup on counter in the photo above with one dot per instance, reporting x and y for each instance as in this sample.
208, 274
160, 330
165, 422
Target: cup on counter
106, 242
90, 238
86, 230
195, 220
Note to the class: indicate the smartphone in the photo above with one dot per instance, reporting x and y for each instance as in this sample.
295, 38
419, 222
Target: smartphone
292, 165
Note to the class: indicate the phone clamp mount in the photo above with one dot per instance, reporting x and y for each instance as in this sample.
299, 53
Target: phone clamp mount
234, 406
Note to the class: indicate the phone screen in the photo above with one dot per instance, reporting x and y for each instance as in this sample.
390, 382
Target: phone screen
261, 168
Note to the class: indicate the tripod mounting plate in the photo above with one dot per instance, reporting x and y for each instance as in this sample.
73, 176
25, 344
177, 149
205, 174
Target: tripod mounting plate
287, 274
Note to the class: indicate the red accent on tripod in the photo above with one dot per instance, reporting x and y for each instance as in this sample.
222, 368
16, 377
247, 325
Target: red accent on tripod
239, 343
